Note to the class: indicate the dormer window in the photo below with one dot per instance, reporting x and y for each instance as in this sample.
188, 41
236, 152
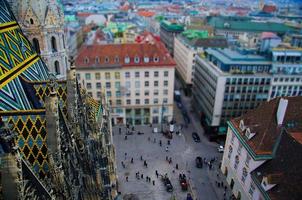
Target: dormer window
156, 59
146, 59
86, 60
136, 59
116, 59
31, 21
106, 60
241, 125
248, 133
97, 60
127, 59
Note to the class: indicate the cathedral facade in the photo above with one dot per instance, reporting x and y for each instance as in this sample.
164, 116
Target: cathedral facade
43, 23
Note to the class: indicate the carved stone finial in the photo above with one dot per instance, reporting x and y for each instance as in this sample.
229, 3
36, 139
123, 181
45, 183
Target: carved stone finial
71, 60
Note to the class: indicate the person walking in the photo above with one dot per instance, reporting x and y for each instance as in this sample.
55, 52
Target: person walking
153, 182
160, 143
156, 173
132, 160
142, 176
127, 178
167, 149
125, 155
176, 166
141, 157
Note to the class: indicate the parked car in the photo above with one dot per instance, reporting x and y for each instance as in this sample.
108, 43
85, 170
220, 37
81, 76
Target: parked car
167, 183
198, 162
220, 149
195, 137
183, 182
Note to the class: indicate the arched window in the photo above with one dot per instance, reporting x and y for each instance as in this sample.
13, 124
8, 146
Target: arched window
36, 45
54, 44
31, 21
57, 67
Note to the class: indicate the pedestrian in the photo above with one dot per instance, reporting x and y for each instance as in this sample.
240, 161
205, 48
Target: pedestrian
120, 130
127, 178
141, 157
131, 160
224, 193
176, 166
167, 149
154, 140
156, 173
123, 164
153, 182
221, 183
125, 156
225, 188
142, 176
160, 143
166, 158
126, 137
146, 178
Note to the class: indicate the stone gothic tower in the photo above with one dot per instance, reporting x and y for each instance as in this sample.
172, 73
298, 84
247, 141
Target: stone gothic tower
43, 23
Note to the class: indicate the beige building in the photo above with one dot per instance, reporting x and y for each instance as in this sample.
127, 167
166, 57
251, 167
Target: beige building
138, 80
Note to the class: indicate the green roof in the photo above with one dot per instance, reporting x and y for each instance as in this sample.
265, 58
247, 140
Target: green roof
245, 24
173, 27
69, 18
195, 34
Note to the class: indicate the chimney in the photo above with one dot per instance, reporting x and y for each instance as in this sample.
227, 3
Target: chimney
281, 110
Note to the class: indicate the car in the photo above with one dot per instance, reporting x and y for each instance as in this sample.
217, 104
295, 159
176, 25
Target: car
167, 184
183, 182
198, 162
195, 137
220, 149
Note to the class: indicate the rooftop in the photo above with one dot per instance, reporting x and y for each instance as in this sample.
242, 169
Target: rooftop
263, 122
172, 26
228, 56
195, 34
115, 55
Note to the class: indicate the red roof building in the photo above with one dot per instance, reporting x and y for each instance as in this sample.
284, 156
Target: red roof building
269, 8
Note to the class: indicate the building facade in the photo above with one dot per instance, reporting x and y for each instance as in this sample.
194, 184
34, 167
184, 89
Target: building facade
168, 31
138, 80
186, 46
259, 160
43, 24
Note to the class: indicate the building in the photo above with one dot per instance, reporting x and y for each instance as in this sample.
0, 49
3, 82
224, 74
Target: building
43, 24
168, 31
262, 150
226, 84
138, 80
186, 46
45, 124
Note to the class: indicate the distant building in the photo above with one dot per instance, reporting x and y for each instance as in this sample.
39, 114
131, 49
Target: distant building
262, 150
168, 31
228, 83
138, 80
186, 46
43, 23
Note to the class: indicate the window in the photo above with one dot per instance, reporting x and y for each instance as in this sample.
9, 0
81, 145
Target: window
98, 85
146, 74
119, 110
87, 76
127, 59
137, 84
54, 44
108, 85
128, 84
97, 60
36, 45
252, 189
99, 94
244, 175
165, 100
146, 59
156, 59
97, 76
230, 151
106, 60
137, 101
247, 160
108, 93
165, 92
118, 102
127, 74
88, 85
136, 59
155, 101
146, 101
146, 92
166, 73
156, 74
116, 59
117, 75
128, 101
155, 110
147, 83
136, 74
165, 83
137, 93
117, 85
57, 67
155, 83
86, 60
239, 148
31, 21
232, 138
118, 93
236, 162
155, 92
107, 75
